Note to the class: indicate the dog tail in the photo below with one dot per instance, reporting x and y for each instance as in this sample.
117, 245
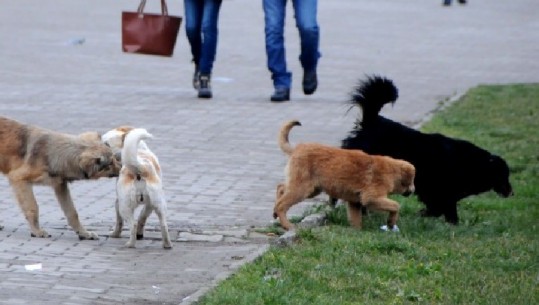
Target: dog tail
130, 148
372, 94
284, 144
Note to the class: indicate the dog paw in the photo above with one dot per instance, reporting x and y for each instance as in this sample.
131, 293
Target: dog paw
386, 228
115, 234
130, 244
88, 236
140, 236
40, 234
167, 246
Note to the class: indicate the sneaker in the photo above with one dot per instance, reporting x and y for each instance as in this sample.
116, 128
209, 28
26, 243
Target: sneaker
204, 89
310, 82
280, 95
386, 228
196, 78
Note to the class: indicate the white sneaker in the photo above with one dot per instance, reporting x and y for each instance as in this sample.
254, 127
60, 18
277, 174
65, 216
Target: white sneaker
385, 228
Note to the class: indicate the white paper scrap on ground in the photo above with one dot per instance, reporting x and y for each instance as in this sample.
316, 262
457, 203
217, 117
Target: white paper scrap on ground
33, 267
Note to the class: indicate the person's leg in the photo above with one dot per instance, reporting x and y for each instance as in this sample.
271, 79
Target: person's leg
193, 25
210, 34
306, 22
274, 19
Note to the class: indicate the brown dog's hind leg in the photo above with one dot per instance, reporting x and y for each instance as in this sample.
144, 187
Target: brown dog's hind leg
283, 204
385, 204
280, 190
353, 210
66, 203
28, 204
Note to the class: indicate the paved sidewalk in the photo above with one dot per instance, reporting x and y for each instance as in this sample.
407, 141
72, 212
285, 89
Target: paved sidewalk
61, 67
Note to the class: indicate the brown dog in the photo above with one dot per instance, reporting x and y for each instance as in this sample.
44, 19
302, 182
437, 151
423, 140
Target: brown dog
350, 175
30, 155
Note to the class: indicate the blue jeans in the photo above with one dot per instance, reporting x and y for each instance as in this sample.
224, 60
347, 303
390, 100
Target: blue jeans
201, 18
305, 14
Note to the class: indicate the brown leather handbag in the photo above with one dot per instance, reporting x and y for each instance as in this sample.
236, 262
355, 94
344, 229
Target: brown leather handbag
153, 34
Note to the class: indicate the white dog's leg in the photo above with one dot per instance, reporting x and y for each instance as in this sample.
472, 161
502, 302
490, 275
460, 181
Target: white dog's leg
161, 211
127, 212
117, 232
146, 211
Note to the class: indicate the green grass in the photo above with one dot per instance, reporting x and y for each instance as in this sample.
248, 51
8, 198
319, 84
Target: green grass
492, 257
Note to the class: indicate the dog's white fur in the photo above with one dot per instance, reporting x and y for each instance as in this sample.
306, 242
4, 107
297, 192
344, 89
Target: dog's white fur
139, 183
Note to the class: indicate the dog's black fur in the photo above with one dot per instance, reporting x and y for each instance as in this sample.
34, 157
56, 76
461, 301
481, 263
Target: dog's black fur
448, 169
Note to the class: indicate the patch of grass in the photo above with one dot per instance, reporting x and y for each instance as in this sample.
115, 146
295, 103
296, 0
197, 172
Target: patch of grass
338, 216
492, 257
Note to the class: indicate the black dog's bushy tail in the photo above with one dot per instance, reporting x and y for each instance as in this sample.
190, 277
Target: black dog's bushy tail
372, 94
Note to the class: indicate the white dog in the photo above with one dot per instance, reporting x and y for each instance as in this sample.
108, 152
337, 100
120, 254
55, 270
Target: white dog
139, 183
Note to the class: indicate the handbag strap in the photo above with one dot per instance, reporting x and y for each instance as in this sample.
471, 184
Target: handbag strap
164, 8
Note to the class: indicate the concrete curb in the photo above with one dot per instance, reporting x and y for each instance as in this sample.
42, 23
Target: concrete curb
195, 297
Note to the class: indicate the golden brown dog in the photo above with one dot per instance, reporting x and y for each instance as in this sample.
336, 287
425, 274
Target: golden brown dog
30, 155
351, 175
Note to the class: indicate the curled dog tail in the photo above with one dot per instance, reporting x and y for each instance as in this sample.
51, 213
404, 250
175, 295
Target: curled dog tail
130, 148
284, 144
372, 94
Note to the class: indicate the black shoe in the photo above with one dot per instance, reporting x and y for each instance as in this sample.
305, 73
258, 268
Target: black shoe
462, 1
446, 3
196, 78
204, 89
280, 95
310, 82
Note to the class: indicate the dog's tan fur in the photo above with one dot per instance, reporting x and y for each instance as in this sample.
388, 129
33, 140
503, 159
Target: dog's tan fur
350, 175
30, 155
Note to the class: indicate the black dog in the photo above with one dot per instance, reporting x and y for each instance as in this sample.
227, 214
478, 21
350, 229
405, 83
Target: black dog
448, 170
